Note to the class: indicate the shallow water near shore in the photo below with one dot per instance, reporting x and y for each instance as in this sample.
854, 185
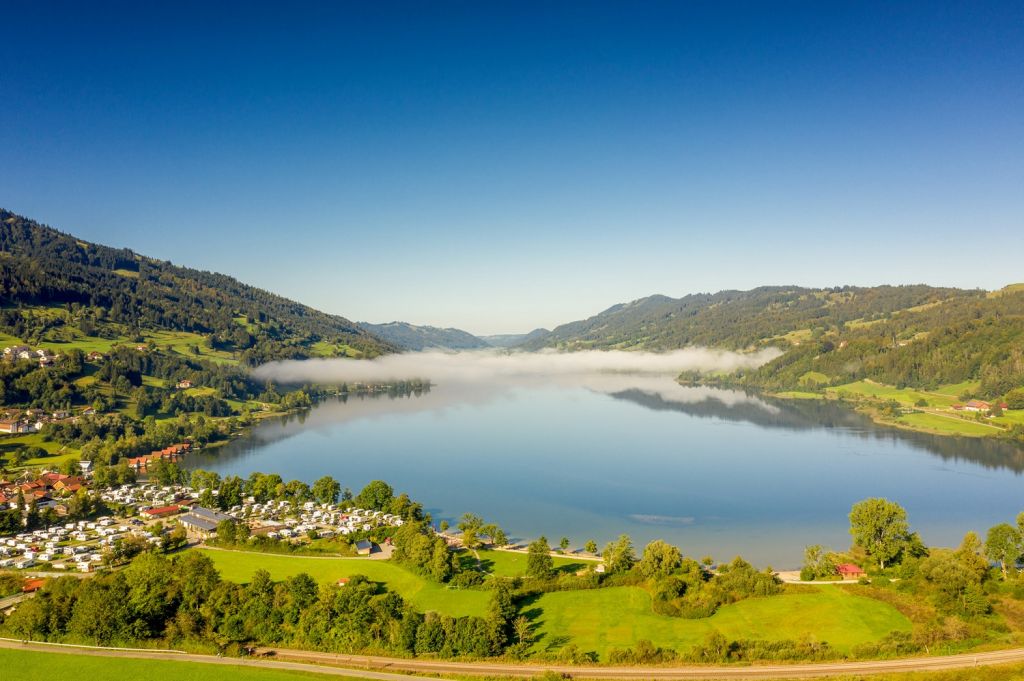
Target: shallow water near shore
714, 471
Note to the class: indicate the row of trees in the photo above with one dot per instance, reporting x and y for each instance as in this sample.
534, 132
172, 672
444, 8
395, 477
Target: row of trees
185, 601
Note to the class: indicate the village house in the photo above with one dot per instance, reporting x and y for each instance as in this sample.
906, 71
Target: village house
850, 571
15, 426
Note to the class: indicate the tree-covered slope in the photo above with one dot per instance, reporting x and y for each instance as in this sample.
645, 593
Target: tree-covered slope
964, 339
411, 337
40, 266
737, 319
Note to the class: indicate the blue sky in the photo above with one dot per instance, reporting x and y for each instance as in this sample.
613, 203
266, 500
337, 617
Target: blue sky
503, 166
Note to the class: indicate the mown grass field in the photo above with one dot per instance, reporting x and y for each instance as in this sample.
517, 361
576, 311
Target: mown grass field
238, 566
27, 665
602, 619
947, 424
509, 564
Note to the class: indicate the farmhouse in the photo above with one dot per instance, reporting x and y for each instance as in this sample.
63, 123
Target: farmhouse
850, 571
15, 426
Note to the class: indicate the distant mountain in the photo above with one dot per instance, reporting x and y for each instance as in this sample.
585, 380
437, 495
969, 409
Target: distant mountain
411, 337
512, 340
736, 319
109, 287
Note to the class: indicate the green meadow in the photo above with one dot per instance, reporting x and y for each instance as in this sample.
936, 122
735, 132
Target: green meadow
425, 595
513, 564
618, 617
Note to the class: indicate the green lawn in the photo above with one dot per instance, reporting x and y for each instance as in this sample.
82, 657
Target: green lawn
509, 564
602, 619
37, 666
948, 424
58, 453
423, 594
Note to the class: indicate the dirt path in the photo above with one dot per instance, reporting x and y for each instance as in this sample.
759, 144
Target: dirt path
383, 668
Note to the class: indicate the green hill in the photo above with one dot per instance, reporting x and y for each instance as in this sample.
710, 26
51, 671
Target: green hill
113, 292
906, 336
737, 320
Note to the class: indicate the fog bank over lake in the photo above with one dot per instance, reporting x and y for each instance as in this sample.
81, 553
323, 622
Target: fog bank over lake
595, 454
492, 365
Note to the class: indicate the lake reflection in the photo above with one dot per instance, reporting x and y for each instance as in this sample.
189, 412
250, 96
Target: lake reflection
717, 472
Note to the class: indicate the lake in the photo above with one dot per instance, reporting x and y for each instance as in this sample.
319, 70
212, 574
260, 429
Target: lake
716, 472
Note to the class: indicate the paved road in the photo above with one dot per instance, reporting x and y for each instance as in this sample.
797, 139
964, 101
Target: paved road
383, 668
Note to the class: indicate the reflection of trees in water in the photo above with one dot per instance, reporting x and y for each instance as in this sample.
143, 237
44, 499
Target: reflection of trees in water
819, 414
333, 409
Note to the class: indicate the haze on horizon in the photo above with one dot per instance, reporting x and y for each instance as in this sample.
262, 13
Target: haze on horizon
506, 166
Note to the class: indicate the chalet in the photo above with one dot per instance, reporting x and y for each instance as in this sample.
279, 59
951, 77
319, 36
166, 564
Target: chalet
850, 571
15, 426
364, 547
95, 356
184, 385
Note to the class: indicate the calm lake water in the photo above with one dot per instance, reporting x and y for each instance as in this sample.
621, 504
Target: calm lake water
715, 472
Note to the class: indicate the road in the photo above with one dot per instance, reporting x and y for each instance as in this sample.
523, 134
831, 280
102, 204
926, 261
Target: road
385, 668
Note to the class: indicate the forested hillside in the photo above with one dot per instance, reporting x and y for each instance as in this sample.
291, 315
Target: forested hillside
905, 336
112, 291
736, 320
964, 339
411, 337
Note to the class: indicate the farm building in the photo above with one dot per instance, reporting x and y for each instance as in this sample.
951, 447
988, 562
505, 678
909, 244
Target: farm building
850, 571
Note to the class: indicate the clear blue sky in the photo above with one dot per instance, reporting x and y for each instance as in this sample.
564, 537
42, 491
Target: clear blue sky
504, 166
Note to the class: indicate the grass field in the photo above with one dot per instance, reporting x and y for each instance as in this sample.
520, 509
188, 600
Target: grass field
37, 666
508, 564
12, 443
799, 395
423, 594
944, 396
617, 617
947, 424
812, 378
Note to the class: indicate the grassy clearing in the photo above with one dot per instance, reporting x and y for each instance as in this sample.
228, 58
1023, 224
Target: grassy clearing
423, 594
58, 453
509, 564
947, 424
905, 396
812, 378
602, 619
799, 395
45, 666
